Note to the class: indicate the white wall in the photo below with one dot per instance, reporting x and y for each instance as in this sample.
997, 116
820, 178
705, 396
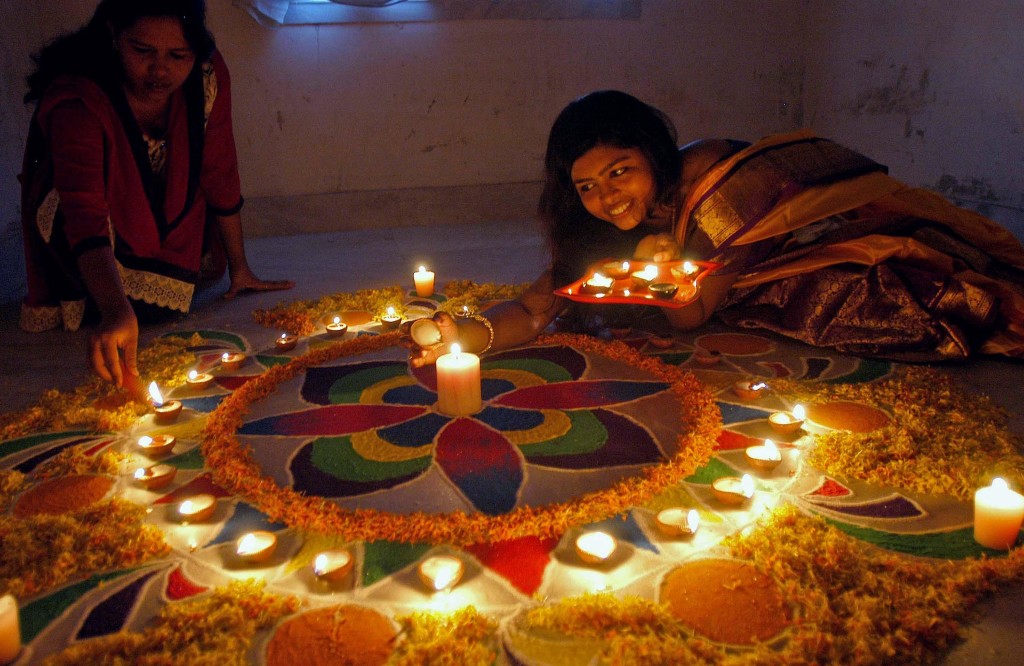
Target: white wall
462, 104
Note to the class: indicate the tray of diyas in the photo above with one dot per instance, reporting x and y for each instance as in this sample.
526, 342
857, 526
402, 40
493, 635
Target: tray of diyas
666, 284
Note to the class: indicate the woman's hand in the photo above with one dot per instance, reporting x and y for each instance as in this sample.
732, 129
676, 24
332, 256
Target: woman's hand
118, 334
657, 247
244, 280
420, 355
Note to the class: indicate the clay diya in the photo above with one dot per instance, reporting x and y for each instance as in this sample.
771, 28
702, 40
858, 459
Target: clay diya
197, 508
256, 547
685, 272
597, 285
332, 565
165, 411
157, 445
663, 290
440, 572
595, 547
336, 328
232, 360
707, 357
286, 342
764, 457
662, 341
199, 380
787, 423
155, 477
677, 521
390, 321
643, 278
616, 270
749, 389
733, 490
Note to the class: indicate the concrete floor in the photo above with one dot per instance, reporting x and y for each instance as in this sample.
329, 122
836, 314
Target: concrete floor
502, 252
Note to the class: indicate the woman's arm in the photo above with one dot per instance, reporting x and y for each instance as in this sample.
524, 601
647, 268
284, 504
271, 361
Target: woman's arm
511, 323
242, 277
119, 329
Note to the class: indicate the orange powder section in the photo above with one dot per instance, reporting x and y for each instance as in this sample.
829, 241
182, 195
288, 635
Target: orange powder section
62, 495
333, 636
852, 416
726, 601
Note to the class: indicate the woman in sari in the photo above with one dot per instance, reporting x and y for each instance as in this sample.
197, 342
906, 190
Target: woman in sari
130, 186
815, 241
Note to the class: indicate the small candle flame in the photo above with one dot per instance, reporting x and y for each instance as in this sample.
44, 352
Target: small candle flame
758, 386
799, 413
248, 544
692, 520
649, 272
284, 336
747, 484
154, 393
192, 374
337, 320
391, 311
771, 450
140, 473
1000, 484
225, 356
320, 565
689, 268
456, 349
145, 441
598, 544
423, 269
187, 507
599, 280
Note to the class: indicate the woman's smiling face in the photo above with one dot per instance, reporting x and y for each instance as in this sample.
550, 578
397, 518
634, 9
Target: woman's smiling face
615, 185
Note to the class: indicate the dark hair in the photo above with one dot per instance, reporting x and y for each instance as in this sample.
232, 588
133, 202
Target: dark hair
89, 51
605, 117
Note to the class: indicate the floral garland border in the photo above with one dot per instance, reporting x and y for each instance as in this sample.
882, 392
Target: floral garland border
233, 466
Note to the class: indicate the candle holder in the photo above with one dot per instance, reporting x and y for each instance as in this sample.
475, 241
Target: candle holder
643, 278
167, 412
231, 361
595, 547
390, 321
256, 547
332, 565
156, 446
686, 272
199, 380
786, 423
707, 357
663, 290
425, 332
286, 342
197, 508
749, 389
733, 490
597, 285
616, 270
155, 477
662, 341
764, 457
337, 328
676, 522
440, 572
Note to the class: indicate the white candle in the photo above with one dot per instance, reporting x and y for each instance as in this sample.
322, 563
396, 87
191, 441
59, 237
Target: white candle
10, 630
458, 383
424, 280
998, 512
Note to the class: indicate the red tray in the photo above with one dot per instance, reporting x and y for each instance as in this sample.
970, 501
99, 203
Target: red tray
629, 291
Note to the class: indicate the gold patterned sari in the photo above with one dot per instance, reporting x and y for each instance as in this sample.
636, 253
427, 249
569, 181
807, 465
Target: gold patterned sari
830, 250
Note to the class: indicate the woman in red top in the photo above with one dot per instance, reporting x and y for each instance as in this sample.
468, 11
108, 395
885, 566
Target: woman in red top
130, 154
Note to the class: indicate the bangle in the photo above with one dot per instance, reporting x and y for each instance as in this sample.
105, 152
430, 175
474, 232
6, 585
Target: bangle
490, 330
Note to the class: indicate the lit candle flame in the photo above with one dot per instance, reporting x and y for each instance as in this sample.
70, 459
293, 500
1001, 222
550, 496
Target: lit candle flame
248, 544
337, 320
689, 268
187, 507
649, 272
1000, 484
192, 374
320, 565
154, 393
456, 349
284, 336
598, 544
225, 356
599, 280
692, 520
771, 450
140, 473
758, 386
747, 484
799, 413
423, 269
145, 441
